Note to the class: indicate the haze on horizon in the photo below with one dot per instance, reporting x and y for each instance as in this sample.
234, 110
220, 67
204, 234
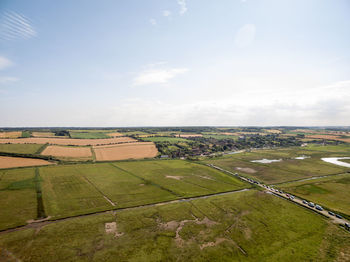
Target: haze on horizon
174, 63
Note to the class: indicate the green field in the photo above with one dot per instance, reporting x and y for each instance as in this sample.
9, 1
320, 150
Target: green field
288, 169
72, 190
122, 188
20, 148
219, 136
164, 139
246, 226
67, 193
88, 135
183, 178
18, 200
332, 192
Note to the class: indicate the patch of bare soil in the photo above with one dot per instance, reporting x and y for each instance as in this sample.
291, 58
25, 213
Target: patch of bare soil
111, 228
213, 244
175, 225
246, 170
175, 177
205, 177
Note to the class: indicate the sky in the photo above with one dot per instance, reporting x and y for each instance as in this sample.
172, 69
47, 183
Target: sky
117, 63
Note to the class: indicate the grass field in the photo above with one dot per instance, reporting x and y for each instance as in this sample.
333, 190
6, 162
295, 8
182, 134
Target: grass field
88, 135
78, 189
183, 178
17, 197
164, 139
246, 226
20, 148
43, 134
122, 188
67, 193
288, 169
332, 192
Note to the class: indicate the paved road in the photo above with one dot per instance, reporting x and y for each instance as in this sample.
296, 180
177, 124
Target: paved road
286, 196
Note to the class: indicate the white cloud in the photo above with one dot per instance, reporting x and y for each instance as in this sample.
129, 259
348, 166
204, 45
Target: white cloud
5, 63
7, 79
15, 26
166, 13
157, 76
183, 6
153, 21
245, 35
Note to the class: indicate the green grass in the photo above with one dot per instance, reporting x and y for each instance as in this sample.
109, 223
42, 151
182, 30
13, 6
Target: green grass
67, 193
88, 135
20, 148
123, 189
17, 197
332, 192
26, 134
252, 226
287, 170
164, 139
192, 179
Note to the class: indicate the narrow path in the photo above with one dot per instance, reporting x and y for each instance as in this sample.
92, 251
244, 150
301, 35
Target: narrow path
286, 196
37, 224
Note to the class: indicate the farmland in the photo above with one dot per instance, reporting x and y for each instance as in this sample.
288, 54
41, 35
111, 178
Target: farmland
17, 197
43, 134
20, 148
99, 204
164, 139
10, 162
137, 150
226, 227
68, 152
67, 141
88, 135
13, 134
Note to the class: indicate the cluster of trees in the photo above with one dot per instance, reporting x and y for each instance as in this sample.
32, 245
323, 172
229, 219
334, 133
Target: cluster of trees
207, 146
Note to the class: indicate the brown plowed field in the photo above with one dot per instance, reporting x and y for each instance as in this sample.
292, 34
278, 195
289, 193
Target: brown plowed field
12, 134
66, 151
125, 151
114, 134
8, 162
67, 141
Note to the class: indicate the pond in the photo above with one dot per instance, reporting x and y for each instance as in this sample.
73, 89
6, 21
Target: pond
335, 160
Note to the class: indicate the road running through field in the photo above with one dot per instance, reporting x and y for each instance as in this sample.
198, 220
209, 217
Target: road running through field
286, 196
